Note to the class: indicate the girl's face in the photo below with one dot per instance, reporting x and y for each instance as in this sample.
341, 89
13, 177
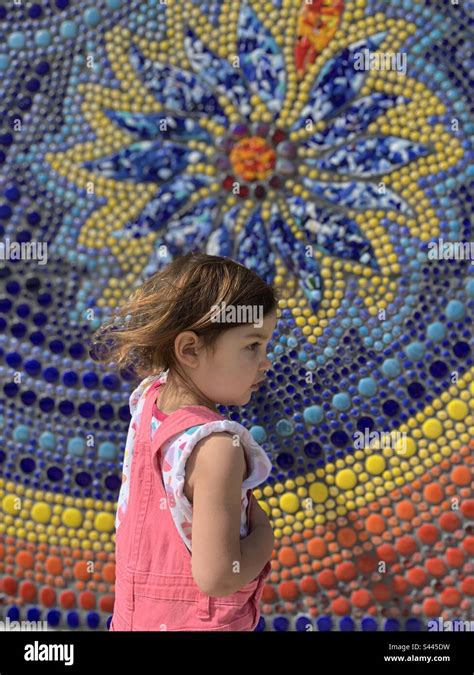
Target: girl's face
238, 362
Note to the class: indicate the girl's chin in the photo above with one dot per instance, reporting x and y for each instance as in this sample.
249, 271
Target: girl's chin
246, 397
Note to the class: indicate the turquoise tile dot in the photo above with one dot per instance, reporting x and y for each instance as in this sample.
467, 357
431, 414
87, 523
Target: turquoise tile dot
367, 386
107, 450
470, 287
259, 434
436, 331
284, 428
455, 310
391, 367
415, 350
76, 446
21, 433
4, 61
341, 401
47, 440
313, 414
16, 40
92, 16
43, 38
68, 29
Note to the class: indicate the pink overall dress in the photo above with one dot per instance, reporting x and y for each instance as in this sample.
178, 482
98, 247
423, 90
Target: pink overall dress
154, 586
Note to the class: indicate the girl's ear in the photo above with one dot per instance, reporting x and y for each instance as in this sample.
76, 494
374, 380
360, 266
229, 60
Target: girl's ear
187, 346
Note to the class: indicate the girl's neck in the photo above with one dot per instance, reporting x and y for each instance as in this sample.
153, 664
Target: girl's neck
172, 397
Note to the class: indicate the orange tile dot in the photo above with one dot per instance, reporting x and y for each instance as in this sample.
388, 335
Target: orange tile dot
461, 475
405, 510
341, 606
375, 524
455, 557
467, 509
81, 570
108, 572
25, 559
87, 600
317, 547
433, 493
48, 596
367, 563
387, 553
54, 565
467, 586
381, 592
399, 585
346, 537
406, 545
9, 585
450, 597
28, 591
67, 599
327, 579
361, 598
346, 571
289, 590
287, 556
450, 522
436, 567
417, 577
428, 534
431, 607
308, 585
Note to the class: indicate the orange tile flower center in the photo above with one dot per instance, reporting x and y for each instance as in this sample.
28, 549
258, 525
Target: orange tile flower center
252, 158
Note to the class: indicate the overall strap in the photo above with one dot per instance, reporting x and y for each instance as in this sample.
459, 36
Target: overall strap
180, 420
143, 436
177, 421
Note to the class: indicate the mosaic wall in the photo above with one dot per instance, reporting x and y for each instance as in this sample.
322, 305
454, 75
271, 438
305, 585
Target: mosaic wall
326, 145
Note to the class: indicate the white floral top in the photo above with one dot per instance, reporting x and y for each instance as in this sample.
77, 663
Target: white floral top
176, 451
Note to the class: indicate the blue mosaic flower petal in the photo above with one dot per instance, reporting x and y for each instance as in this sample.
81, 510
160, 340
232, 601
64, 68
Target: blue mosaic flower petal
261, 59
357, 195
354, 120
221, 241
192, 229
332, 232
253, 248
373, 156
293, 252
169, 199
176, 89
218, 73
338, 82
145, 162
159, 125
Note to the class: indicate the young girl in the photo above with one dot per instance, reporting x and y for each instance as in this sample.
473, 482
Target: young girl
193, 546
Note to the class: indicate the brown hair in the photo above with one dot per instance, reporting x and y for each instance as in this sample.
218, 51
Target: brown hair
178, 297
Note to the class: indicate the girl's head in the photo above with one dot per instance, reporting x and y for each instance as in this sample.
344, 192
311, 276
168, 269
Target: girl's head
204, 318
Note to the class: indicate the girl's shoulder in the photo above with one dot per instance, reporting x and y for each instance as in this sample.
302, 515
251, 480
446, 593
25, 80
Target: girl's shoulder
258, 462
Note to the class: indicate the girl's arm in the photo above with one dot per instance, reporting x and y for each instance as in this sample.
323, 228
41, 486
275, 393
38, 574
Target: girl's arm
257, 548
222, 563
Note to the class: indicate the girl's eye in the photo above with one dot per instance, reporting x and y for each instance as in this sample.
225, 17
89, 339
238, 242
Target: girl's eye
255, 344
